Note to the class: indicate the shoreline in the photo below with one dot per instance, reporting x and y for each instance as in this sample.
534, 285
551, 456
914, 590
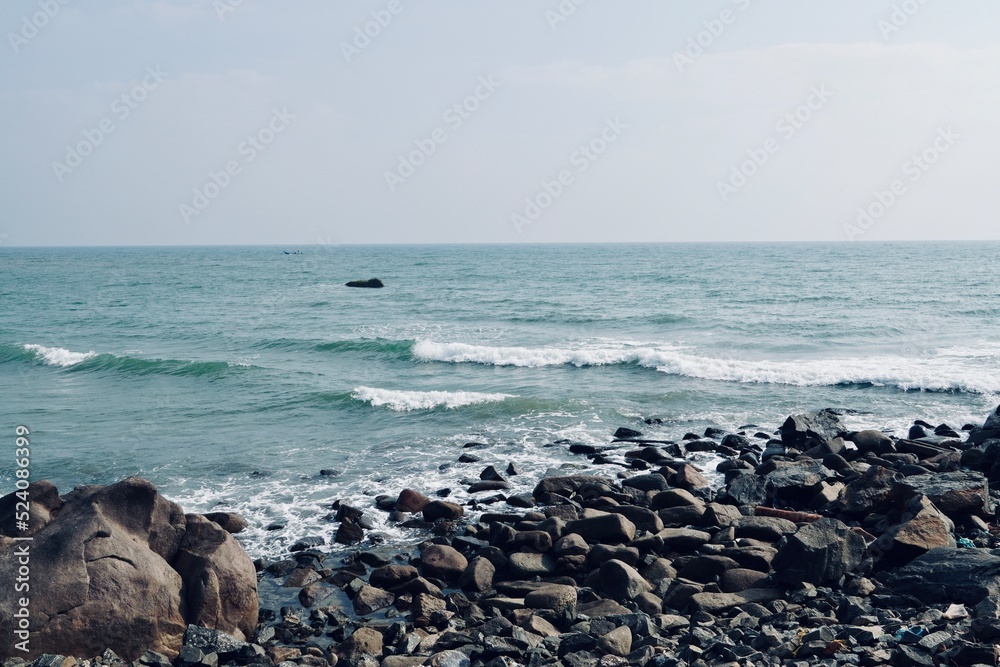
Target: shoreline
822, 545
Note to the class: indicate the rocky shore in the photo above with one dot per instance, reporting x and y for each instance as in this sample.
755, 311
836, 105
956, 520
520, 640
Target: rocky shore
822, 547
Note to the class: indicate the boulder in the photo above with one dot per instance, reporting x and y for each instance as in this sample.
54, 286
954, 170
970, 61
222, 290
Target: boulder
767, 528
120, 567
441, 509
371, 282
622, 582
748, 490
570, 484
872, 441
370, 599
810, 429
873, 492
957, 494
604, 529
624, 433
819, 553
478, 575
364, 641
926, 529
231, 522
949, 575
391, 576
555, 597
411, 501
442, 562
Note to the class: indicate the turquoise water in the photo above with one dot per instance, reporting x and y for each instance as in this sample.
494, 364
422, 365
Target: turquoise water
231, 376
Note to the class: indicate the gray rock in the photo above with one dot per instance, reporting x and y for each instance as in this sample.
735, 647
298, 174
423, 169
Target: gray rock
370, 599
949, 575
622, 582
555, 597
605, 529
809, 429
531, 564
819, 553
957, 494
478, 575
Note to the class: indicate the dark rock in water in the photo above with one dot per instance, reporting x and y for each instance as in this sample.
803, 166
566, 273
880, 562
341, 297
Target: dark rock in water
992, 422
627, 433
411, 501
468, 458
812, 428
440, 509
370, 599
871, 440
490, 473
819, 553
488, 485
712, 432
957, 494
916, 432
568, 485
307, 543
946, 431
371, 282
349, 533
949, 575
112, 558
329, 472
737, 442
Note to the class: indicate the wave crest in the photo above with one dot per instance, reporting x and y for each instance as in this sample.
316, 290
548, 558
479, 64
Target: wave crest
405, 401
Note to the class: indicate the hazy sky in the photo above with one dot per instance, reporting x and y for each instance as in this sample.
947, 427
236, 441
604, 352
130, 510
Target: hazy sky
244, 122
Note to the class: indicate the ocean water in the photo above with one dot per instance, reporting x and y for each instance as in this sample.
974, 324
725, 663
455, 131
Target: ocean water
231, 376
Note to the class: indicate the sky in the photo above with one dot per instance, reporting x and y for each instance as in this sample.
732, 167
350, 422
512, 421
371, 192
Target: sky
231, 122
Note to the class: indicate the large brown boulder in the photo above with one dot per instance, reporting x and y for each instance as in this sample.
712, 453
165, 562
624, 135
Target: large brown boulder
121, 567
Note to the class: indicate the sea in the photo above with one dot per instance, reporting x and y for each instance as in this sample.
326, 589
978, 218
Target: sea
231, 376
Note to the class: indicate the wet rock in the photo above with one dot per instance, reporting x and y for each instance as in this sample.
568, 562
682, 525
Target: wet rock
644, 519
411, 501
714, 603
370, 599
363, 641
624, 433
349, 533
688, 477
809, 429
484, 485
928, 528
441, 509
650, 482
392, 576
568, 485
819, 553
370, 283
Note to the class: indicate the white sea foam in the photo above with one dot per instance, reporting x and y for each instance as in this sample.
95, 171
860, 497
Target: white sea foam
403, 401
57, 356
950, 369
